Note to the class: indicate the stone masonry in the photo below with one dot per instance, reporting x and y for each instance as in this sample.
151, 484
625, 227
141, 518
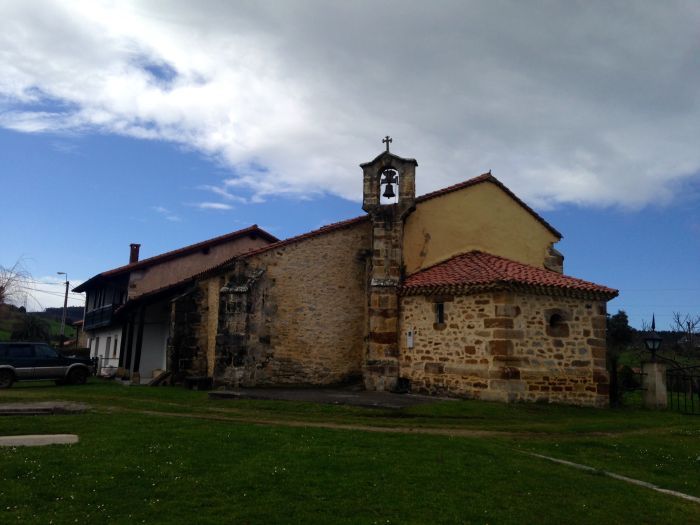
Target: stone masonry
381, 369
283, 320
337, 305
507, 346
185, 346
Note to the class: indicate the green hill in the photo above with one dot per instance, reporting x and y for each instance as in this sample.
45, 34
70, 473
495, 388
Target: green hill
11, 316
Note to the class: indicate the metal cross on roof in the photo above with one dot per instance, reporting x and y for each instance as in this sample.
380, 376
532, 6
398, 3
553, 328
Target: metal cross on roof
387, 140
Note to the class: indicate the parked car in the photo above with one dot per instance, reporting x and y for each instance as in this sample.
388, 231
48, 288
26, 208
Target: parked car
34, 361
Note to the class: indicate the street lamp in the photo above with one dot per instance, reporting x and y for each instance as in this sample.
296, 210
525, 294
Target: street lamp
65, 307
653, 341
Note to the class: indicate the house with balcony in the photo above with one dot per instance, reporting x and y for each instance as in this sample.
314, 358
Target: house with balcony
128, 309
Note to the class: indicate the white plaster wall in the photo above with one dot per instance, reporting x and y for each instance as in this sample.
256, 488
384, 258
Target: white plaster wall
107, 357
155, 339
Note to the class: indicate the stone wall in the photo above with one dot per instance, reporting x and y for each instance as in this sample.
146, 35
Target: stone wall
386, 265
381, 369
187, 344
296, 314
506, 346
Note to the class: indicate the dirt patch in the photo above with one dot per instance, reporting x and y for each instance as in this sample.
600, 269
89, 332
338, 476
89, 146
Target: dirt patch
433, 431
352, 396
41, 408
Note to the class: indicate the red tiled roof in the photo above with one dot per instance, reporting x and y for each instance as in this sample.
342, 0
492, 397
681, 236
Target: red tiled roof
151, 294
335, 226
279, 244
476, 270
487, 177
291, 240
251, 230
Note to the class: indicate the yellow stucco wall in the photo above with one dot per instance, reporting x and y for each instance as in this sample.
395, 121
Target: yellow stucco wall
480, 217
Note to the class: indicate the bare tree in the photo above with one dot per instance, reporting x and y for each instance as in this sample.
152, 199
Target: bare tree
689, 326
13, 282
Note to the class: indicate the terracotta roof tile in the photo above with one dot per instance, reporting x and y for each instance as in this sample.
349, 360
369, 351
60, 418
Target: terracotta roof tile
308, 235
250, 230
144, 263
482, 270
291, 240
486, 177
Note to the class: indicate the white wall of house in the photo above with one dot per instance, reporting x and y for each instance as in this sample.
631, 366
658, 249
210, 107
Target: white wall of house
153, 351
156, 330
105, 344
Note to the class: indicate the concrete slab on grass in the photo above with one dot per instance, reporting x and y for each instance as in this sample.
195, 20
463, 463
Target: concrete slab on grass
41, 408
38, 440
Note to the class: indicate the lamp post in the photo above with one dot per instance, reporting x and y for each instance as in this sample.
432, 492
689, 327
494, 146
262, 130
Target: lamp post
65, 307
653, 341
654, 373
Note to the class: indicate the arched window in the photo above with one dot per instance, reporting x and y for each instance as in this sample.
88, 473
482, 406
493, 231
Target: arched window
557, 325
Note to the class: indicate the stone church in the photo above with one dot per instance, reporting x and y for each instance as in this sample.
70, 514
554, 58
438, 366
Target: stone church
459, 292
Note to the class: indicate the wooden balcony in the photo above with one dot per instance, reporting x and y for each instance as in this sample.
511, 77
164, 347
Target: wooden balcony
99, 317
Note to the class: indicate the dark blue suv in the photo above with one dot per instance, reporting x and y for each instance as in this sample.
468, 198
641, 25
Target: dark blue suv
33, 361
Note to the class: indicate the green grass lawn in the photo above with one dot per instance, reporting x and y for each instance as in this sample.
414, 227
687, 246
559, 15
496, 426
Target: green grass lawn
167, 455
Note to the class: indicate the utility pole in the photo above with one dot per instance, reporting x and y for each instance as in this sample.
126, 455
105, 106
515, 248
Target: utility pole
65, 307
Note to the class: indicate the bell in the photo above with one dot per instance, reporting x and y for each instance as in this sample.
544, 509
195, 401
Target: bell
389, 192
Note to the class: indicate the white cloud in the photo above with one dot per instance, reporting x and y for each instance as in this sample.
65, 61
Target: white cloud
166, 213
223, 192
213, 206
582, 103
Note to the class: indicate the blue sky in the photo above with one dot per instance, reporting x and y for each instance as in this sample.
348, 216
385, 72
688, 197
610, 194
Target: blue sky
93, 195
166, 124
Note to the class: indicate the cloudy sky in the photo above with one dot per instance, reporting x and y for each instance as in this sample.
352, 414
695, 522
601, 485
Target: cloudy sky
168, 122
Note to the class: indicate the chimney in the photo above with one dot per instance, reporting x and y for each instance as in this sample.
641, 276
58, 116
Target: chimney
134, 253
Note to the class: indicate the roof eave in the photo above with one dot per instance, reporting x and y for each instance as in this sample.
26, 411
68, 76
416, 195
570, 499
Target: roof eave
470, 289
389, 155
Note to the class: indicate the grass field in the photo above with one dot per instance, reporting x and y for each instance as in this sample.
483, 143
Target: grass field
167, 455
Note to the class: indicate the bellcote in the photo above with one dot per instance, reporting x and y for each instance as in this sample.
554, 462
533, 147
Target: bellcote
385, 170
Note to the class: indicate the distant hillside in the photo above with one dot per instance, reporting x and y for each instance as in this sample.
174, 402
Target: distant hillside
73, 313
11, 316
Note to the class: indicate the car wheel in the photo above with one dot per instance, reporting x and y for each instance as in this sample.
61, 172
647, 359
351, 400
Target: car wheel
6, 378
77, 376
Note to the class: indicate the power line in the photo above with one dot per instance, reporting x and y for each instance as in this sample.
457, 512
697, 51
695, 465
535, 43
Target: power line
50, 283
52, 292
